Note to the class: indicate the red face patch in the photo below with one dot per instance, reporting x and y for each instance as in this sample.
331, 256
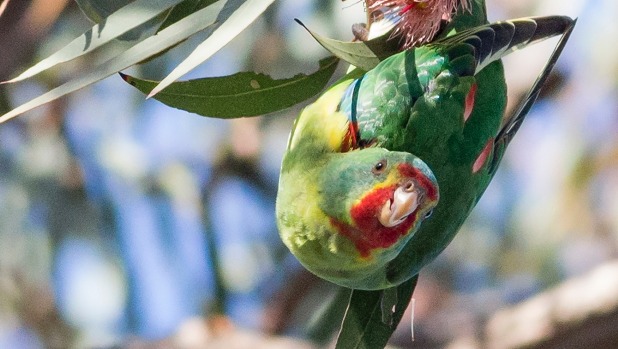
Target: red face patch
409, 171
368, 233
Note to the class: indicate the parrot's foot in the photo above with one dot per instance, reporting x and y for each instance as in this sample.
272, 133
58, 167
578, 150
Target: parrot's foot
360, 31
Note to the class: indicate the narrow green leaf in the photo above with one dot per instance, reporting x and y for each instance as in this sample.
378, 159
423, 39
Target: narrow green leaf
98, 10
184, 9
4, 100
179, 12
125, 19
242, 94
327, 318
363, 325
170, 36
237, 22
363, 54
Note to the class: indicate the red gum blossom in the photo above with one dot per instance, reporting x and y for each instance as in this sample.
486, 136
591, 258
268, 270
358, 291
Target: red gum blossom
369, 234
407, 8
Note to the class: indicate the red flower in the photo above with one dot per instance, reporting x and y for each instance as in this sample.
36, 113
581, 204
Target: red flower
417, 21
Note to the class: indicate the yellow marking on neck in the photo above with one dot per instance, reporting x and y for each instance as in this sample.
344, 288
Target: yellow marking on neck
392, 178
322, 122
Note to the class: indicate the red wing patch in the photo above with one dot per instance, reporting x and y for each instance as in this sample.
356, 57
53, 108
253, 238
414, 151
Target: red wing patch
482, 158
469, 102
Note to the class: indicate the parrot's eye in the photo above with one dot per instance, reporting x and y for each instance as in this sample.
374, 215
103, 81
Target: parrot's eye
379, 168
428, 214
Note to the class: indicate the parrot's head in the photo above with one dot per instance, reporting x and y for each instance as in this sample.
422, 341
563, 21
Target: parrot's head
351, 213
377, 198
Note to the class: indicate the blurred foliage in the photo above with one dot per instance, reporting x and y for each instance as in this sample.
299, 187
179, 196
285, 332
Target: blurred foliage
138, 21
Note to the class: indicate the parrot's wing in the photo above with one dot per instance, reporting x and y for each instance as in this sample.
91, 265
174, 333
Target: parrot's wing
472, 50
514, 122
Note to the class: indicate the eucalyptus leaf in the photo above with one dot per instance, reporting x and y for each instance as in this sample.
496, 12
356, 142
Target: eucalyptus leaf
327, 318
4, 100
172, 35
179, 12
364, 326
184, 9
242, 16
118, 23
98, 10
362, 54
242, 94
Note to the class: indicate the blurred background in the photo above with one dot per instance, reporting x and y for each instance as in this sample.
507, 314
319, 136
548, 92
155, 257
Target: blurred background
127, 223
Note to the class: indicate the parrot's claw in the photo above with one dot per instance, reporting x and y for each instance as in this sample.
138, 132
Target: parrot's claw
360, 31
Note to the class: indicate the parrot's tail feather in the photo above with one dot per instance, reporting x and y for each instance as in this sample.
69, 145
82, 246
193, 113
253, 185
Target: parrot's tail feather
491, 42
514, 122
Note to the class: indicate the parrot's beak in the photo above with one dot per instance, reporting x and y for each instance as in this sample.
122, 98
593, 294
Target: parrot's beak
405, 201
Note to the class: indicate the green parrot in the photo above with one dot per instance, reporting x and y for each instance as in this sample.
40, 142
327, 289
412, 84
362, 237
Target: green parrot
383, 169
342, 211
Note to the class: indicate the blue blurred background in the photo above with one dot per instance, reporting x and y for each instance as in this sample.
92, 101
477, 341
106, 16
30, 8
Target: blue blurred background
126, 221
